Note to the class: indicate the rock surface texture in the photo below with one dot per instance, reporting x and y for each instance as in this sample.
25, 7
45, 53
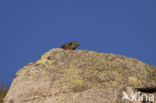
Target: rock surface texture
81, 76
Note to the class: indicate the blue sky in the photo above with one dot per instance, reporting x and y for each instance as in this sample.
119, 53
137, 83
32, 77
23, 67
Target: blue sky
29, 28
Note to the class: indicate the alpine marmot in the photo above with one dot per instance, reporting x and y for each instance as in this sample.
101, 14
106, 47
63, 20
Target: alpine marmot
70, 46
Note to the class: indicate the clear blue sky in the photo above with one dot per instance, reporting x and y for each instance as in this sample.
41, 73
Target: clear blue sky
28, 28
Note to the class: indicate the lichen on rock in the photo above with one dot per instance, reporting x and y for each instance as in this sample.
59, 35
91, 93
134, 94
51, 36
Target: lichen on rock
79, 76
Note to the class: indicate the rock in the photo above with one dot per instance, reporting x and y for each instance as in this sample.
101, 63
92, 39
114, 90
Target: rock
81, 76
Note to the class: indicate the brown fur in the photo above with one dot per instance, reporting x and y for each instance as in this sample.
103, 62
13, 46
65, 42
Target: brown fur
70, 46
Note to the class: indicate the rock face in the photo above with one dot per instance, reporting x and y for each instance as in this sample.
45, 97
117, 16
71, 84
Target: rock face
81, 76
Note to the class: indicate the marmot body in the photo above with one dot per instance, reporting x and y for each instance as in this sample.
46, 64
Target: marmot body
70, 46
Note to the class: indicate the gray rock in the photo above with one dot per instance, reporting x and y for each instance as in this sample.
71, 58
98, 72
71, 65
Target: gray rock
80, 76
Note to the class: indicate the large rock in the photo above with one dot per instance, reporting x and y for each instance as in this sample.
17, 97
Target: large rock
81, 76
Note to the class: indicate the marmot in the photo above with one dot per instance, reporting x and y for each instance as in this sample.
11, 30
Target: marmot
70, 46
